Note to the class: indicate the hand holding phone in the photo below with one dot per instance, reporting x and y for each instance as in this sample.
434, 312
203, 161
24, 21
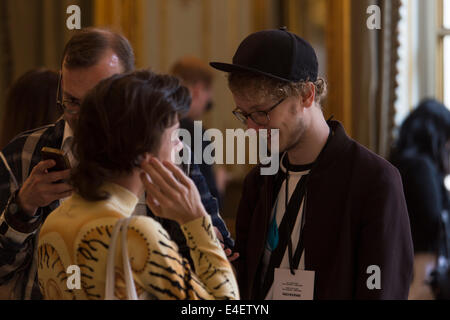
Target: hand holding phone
45, 183
62, 162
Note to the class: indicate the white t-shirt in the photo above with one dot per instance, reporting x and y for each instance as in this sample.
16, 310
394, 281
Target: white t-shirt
279, 209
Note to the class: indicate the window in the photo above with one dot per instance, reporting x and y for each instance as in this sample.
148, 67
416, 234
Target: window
424, 54
444, 51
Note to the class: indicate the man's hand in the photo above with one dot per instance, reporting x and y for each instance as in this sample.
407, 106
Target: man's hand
39, 189
228, 252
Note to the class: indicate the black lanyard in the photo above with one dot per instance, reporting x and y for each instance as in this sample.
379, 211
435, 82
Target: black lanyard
301, 197
285, 229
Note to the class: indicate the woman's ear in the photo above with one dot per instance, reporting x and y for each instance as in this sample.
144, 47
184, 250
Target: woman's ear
146, 157
143, 158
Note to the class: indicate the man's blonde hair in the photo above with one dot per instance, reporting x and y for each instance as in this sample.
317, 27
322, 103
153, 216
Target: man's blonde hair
250, 86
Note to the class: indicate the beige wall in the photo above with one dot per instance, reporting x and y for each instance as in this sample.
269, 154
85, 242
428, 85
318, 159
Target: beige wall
208, 29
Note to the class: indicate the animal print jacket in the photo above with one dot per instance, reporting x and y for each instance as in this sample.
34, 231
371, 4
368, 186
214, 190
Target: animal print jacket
79, 232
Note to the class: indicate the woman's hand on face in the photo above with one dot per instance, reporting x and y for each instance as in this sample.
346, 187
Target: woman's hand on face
170, 193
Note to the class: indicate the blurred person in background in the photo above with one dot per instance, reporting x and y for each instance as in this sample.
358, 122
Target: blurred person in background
421, 154
30, 104
198, 77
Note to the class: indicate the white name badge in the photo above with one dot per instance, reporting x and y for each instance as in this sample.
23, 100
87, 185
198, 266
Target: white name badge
293, 287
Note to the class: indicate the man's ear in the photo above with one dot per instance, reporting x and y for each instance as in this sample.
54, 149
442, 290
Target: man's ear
309, 95
195, 90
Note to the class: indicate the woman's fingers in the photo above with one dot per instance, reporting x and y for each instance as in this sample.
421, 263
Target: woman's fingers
178, 173
177, 201
230, 255
153, 193
233, 257
165, 175
156, 178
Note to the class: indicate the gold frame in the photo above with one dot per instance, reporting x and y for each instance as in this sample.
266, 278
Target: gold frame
339, 102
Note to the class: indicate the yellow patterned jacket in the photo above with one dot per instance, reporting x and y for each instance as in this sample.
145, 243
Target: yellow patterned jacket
78, 233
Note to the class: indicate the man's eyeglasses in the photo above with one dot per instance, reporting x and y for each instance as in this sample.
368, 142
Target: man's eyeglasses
259, 117
67, 105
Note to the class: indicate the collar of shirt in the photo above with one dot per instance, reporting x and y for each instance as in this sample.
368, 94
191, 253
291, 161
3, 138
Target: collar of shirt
68, 133
294, 169
119, 199
122, 198
67, 143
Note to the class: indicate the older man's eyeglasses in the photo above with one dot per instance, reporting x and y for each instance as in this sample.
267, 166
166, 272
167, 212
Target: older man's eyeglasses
259, 117
70, 106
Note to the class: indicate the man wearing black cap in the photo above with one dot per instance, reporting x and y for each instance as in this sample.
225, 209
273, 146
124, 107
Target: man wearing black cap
332, 223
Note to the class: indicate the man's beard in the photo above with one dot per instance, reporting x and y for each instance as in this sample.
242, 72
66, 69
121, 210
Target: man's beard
295, 138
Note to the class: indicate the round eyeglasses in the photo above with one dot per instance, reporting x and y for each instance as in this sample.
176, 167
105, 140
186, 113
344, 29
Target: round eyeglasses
259, 117
67, 105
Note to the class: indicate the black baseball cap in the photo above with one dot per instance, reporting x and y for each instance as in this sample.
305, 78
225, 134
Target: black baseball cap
278, 54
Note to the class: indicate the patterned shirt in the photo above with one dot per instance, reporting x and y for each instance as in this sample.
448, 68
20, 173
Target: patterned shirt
159, 271
18, 238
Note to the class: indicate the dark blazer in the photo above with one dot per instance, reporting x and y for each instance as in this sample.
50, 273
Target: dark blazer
356, 217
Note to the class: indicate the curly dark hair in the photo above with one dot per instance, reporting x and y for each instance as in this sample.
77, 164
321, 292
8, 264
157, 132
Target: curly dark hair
426, 131
122, 118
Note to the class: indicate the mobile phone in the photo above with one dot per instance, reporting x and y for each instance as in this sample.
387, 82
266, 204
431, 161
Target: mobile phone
62, 162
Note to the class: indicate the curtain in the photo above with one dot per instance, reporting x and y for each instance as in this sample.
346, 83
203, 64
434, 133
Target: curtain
123, 16
38, 31
374, 72
5, 53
